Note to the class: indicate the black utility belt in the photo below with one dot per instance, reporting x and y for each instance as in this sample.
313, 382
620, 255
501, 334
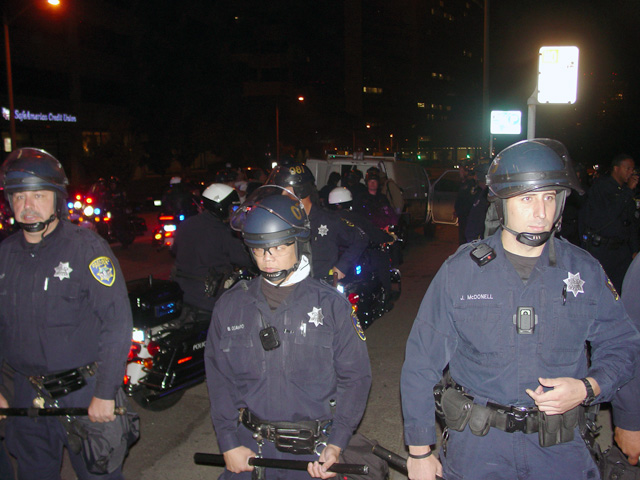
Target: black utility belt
458, 411
56, 385
598, 240
300, 438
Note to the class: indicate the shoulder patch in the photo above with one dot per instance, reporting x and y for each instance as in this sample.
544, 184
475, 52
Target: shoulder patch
357, 326
103, 271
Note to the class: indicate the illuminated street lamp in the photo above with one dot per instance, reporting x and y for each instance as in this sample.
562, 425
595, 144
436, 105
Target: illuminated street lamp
7, 52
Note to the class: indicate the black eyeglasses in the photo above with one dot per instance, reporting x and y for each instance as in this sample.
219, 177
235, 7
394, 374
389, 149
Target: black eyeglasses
278, 251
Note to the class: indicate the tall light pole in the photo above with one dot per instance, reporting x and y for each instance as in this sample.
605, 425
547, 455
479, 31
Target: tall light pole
7, 53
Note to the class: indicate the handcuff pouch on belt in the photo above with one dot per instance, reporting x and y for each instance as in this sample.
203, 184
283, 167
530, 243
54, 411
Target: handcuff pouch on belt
458, 411
299, 438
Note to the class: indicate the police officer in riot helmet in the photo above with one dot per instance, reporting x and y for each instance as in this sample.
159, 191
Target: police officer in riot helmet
329, 233
206, 250
284, 351
510, 317
179, 198
373, 203
341, 200
65, 322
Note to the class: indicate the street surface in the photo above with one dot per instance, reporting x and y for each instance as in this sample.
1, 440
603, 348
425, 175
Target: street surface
170, 438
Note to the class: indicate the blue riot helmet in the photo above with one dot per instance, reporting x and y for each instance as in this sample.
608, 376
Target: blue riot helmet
271, 216
30, 169
528, 166
295, 175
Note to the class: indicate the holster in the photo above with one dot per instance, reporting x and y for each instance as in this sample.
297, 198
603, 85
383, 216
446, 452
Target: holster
555, 429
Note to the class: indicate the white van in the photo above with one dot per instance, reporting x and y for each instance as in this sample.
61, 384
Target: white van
409, 176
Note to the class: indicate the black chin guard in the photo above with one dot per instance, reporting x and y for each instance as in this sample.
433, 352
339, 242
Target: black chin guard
36, 227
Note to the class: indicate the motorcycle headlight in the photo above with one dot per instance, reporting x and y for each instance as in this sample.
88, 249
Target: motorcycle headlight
77, 205
88, 211
169, 228
138, 335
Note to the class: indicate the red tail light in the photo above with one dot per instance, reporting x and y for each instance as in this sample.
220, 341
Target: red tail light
183, 360
353, 298
153, 348
166, 218
89, 200
78, 197
127, 379
133, 352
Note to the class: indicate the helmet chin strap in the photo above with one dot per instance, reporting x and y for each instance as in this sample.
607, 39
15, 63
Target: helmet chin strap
531, 239
38, 226
279, 276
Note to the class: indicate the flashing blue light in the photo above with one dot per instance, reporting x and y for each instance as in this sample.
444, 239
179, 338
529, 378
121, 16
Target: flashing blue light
358, 269
97, 211
70, 205
181, 217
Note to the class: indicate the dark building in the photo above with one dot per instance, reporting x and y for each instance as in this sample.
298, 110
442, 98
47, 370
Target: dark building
111, 85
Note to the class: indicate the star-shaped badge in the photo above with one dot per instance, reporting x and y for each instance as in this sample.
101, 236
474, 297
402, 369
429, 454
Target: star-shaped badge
323, 230
63, 270
316, 316
574, 283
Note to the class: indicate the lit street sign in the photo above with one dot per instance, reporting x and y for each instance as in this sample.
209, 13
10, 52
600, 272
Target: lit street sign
506, 122
558, 75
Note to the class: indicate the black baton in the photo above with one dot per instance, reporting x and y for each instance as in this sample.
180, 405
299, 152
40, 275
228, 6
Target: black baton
393, 459
217, 460
52, 412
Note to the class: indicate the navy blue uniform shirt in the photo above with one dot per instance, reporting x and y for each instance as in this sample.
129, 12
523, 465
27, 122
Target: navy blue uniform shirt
63, 305
610, 211
626, 403
203, 242
329, 234
321, 358
466, 320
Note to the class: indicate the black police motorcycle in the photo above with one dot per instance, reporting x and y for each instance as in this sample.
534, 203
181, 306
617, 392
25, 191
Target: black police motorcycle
363, 288
168, 340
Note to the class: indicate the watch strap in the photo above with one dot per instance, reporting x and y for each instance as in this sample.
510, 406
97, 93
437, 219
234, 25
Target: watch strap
590, 394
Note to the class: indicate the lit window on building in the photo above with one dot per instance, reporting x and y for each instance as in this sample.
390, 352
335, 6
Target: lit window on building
420, 104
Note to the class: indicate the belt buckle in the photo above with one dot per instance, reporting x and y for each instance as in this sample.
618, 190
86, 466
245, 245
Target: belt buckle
517, 419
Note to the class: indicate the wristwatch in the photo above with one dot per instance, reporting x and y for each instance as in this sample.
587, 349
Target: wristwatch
590, 395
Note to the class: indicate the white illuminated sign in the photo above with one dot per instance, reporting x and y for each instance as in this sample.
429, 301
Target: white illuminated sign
506, 122
38, 116
558, 75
